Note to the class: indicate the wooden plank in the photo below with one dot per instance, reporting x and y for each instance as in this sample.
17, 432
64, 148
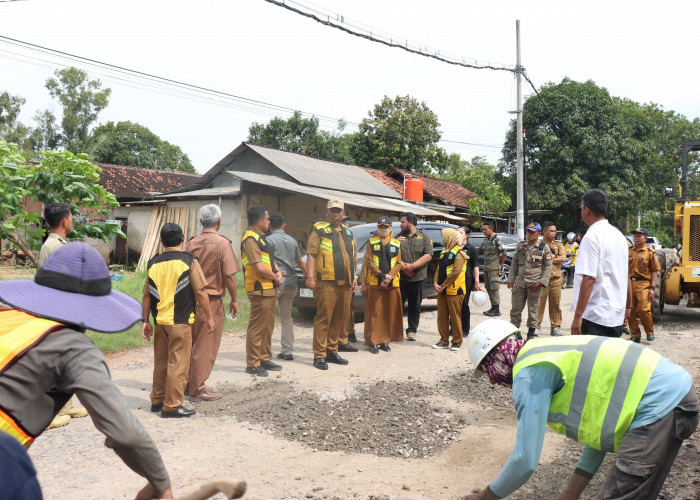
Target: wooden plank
147, 246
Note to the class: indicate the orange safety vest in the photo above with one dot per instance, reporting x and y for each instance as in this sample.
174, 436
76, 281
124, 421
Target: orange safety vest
19, 332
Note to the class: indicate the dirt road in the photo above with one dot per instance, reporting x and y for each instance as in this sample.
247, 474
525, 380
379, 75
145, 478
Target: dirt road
409, 421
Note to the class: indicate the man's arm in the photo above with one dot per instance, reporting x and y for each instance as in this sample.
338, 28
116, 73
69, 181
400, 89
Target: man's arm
146, 328
310, 267
561, 255
232, 287
584, 296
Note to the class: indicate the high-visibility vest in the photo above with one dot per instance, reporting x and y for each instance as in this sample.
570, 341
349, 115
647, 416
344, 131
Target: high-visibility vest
604, 380
445, 268
253, 280
329, 260
384, 257
572, 249
19, 332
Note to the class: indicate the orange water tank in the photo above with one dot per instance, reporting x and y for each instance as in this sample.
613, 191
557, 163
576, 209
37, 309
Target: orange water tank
413, 189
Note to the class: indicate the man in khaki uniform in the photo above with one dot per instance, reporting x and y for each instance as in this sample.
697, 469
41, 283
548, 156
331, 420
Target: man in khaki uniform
261, 278
553, 291
529, 273
494, 256
219, 266
643, 266
330, 263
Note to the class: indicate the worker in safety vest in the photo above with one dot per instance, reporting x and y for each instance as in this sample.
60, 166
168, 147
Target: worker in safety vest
609, 394
330, 272
450, 285
45, 357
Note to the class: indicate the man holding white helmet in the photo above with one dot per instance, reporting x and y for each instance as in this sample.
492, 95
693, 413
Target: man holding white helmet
575, 385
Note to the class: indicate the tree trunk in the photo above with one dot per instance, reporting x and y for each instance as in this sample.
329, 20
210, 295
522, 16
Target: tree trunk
14, 239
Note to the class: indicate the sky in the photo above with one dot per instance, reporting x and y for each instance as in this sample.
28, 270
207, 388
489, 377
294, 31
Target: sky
640, 50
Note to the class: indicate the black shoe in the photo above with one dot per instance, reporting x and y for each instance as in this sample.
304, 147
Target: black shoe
156, 408
333, 357
385, 347
352, 338
285, 357
494, 311
373, 349
320, 363
269, 365
636, 340
347, 348
650, 338
256, 370
179, 413
531, 333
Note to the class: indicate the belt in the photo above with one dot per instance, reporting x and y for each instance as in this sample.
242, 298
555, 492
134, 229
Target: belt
639, 279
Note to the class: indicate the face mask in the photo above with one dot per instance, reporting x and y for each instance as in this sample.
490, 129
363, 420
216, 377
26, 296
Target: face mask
384, 231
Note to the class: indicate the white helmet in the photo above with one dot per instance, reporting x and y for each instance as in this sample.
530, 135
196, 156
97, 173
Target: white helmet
570, 236
480, 298
484, 337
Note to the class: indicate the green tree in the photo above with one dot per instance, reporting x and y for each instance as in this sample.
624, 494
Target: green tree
482, 179
11, 129
400, 133
127, 143
82, 100
61, 176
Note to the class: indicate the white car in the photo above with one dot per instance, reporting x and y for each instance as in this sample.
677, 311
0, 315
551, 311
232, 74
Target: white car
652, 242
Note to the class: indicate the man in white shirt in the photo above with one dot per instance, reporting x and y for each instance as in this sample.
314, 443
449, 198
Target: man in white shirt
600, 283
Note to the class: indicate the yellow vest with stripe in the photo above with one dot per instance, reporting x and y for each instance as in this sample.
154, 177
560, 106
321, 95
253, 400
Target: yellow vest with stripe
385, 258
329, 260
19, 332
604, 380
253, 280
445, 268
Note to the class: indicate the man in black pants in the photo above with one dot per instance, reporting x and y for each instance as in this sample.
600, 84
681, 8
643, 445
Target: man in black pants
471, 278
416, 253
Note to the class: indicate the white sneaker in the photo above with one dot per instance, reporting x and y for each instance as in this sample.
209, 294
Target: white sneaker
454, 347
440, 345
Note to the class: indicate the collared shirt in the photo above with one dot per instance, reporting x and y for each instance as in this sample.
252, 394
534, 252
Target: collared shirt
413, 248
252, 251
286, 250
531, 264
558, 250
216, 259
52, 243
493, 249
603, 254
314, 245
642, 263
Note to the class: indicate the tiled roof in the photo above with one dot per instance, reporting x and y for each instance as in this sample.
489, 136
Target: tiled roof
451, 193
386, 179
131, 183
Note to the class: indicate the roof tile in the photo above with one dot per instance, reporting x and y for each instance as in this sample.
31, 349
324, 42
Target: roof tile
132, 183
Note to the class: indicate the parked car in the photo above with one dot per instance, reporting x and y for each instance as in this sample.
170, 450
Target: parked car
652, 242
362, 233
510, 241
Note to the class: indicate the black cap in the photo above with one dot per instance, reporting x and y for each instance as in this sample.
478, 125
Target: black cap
171, 232
384, 221
641, 230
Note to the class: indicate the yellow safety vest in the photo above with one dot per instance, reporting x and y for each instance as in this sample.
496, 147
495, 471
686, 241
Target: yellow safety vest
445, 268
329, 260
19, 332
573, 250
384, 257
253, 281
604, 380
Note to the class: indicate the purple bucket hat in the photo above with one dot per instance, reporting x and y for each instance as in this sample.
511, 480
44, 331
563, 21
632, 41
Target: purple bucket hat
74, 286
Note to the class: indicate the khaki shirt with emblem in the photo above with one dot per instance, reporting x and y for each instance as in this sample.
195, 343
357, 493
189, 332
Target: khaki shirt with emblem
313, 246
492, 249
52, 243
413, 248
558, 250
642, 263
252, 251
531, 264
216, 259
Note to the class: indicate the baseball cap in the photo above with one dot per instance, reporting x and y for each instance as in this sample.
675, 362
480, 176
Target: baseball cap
641, 230
335, 204
534, 226
384, 221
171, 233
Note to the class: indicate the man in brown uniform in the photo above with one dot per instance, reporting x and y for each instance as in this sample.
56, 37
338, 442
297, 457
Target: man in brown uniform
643, 265
330, 262
219, 266
261, 278
553, 291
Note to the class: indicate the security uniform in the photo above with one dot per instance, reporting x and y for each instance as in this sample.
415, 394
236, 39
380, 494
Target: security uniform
553, 291
336, 254
641, 264
492, 248
450, 274
413, 248
531, 264
262, 296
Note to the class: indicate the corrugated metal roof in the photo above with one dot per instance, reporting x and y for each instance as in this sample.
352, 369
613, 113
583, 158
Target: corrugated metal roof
323, 173
391, 205
220, 191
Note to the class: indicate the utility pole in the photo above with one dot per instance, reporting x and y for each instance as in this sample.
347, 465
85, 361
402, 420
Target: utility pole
520, 189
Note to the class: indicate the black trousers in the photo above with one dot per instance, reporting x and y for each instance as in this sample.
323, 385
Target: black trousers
466, 313
412, 291
591, 328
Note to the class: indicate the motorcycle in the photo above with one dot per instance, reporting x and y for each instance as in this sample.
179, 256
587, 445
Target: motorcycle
567, 273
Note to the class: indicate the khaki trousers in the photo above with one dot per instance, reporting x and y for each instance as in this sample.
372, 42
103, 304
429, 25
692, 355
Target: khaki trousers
172, 347
449, 313
383, 316
553, 293
641, 309
205, 346
258, 338
331, 320
492, 282
284, 299
521, 295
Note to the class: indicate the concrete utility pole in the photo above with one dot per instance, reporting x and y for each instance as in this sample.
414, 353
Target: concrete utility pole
520, 214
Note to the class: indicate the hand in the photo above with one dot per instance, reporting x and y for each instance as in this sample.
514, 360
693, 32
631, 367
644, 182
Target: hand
651, 293
628, 311
438, 288
408, 273
405, 266
280, 277
147, 493
536, 287
364, 290
576, 325
383, 284
354, 285
510, 286
146, 331
233, 309
311, 283
211, 325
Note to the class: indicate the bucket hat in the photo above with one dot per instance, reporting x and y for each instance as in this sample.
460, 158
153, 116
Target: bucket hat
74, 286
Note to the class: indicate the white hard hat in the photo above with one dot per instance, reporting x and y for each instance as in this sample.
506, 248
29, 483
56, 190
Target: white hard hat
480, 298
484, 337
570, 236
